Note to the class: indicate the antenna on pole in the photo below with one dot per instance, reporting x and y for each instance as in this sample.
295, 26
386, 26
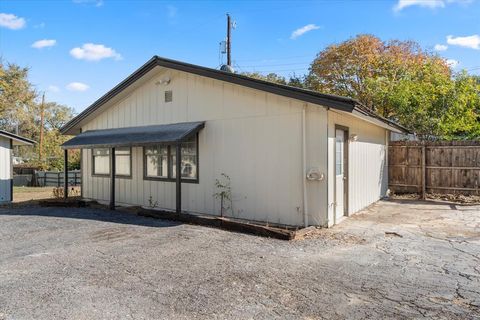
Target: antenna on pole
226, 46
229, 48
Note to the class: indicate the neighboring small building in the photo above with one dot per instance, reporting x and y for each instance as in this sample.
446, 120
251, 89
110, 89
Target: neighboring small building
7, 141
295, 157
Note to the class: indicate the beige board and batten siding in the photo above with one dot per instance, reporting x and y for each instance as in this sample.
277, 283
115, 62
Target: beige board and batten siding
367, 165
5, 169
253, 136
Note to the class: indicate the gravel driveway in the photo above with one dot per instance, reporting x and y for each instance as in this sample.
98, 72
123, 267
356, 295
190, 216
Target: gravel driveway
397, 259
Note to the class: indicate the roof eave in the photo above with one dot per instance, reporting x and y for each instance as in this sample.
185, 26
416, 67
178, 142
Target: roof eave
149, 65
392, 126
20, 139
337, 102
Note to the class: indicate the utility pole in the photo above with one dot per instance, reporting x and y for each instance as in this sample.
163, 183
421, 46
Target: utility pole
42, 116
229, 25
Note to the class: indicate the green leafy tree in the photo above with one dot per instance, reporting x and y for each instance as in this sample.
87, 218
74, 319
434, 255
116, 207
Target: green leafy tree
271, 77
400, 81
16, 94
461, 118
20, 111
294, 80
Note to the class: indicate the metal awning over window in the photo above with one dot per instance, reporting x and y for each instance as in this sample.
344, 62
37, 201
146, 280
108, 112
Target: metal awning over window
134, 136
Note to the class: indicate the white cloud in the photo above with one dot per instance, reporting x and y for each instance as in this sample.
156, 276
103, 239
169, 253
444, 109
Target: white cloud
77, 86
44, 43
301, 31
431, 4
472, 41
94, 52
40, 25
53, 88
402, 4
452, 63
11, 21
440, 47
171, 11
97, 3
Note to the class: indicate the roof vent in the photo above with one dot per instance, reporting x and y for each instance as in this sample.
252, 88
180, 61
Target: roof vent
227, 68
168, 96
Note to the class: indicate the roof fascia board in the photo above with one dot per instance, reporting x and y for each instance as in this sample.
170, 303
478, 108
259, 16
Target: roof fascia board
377, 118
14, 137
140, 72
335, 102
290, 92
339, 103
370, 119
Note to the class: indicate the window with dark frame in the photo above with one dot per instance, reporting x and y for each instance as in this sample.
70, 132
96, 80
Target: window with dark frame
160, 161
123, 162
156, 162
101, 161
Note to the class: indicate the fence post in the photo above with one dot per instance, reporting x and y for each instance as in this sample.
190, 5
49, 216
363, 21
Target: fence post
424, 172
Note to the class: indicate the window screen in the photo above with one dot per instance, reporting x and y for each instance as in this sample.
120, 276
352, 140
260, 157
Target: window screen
189, 160
101, 161
156, 161
160, 161
339, 145
122, 162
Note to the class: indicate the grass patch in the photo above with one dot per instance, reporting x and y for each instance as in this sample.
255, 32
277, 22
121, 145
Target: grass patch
31, 189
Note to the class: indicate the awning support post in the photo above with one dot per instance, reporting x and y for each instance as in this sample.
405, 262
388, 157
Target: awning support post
65, 174
178, 177
112, 178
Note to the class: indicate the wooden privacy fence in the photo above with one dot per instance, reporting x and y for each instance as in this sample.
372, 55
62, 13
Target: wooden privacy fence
435, 167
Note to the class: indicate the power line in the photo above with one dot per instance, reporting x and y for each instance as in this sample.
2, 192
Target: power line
278, 65
274, 59
473, 68
276, 70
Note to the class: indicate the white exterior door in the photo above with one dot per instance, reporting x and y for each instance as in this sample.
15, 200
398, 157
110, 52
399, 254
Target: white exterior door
340, 177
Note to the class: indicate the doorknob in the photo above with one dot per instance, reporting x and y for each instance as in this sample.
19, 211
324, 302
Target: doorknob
344, 178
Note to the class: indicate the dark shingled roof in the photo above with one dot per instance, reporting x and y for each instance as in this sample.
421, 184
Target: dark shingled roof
328, 100
134, 136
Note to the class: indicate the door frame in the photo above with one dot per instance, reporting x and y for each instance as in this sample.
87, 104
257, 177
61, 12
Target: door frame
346, 141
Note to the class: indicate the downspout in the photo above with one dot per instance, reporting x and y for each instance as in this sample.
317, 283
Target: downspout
304, 169
327, 173
387, 143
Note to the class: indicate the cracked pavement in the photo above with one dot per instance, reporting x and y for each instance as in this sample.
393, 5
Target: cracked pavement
396, 259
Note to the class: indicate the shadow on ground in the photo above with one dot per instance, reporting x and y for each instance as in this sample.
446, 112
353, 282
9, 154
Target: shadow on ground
118, 217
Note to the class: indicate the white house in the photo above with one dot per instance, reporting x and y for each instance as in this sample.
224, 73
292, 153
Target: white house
295, 157
7, 141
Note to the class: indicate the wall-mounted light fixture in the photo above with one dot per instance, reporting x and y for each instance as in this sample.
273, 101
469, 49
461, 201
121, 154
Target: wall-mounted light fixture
353, 137
164, 81
315, 175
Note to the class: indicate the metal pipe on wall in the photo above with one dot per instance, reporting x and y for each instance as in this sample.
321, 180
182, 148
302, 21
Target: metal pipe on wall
304, 169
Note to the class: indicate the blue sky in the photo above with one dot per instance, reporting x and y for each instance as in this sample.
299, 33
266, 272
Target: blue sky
79, 49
